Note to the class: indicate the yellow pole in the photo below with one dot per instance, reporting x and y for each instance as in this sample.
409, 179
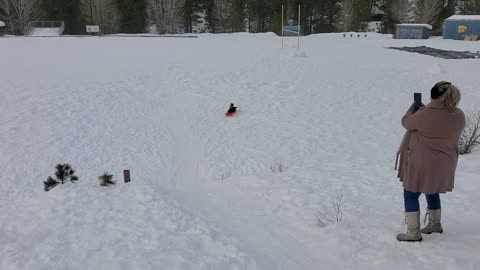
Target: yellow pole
282, 26
298, 27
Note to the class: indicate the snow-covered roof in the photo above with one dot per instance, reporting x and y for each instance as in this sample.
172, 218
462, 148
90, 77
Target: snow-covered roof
464, 18
428, 26
2, 24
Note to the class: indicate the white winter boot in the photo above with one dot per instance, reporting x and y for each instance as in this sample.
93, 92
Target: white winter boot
433, 225
413, 228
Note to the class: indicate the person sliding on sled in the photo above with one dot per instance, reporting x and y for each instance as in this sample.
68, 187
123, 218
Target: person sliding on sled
232, 108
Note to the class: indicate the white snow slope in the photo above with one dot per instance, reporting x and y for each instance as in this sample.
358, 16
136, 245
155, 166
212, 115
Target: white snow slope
45, 32
155, 106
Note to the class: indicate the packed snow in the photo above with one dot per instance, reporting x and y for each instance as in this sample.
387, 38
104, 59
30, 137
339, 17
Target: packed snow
208, 191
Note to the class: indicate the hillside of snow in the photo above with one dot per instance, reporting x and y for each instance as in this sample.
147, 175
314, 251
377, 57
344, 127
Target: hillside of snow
206, 190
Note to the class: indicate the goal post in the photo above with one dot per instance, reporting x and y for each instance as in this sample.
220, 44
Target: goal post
291, 30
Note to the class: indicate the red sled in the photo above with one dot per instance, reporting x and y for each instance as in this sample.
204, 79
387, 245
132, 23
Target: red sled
229, 114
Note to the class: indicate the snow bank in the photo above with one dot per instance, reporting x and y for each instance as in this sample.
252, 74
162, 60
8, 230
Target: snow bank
464, 18
428, 26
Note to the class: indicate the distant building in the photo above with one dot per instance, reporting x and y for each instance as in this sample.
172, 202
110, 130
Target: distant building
412, 31
2, 28
460, 27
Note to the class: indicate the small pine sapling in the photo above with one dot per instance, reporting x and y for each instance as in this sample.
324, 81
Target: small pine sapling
106, 179
50, 183
64, 173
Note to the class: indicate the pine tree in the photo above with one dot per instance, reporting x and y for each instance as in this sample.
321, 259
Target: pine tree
361, 15
222, 13
449, 9
211, 22
388, 22
50, 184
325, 16
68, 11
262, 11
198, 8
189, 12
238, 16
275, 23
249, 14
132, 15
106, 179
64, 173
275, 19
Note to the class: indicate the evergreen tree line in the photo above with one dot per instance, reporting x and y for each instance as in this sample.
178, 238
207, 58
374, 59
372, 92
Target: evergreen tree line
219, 16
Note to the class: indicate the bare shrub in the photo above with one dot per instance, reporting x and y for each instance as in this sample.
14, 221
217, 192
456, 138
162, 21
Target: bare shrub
162, 13
333, 213
428, 11
400, 10
278, 167
18, 13
470, 137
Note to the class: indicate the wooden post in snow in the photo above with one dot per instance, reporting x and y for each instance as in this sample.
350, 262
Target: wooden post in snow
126, 176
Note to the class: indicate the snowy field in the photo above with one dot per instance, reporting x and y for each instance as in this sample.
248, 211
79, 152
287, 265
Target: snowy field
204, 195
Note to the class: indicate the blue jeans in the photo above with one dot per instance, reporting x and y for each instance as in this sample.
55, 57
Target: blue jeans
411, 201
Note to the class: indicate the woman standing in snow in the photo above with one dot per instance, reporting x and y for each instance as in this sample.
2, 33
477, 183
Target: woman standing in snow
429, 157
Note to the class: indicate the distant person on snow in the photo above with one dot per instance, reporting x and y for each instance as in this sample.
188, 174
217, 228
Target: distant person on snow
232, 108
429, 156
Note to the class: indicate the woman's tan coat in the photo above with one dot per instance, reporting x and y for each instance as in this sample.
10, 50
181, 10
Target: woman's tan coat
429, 152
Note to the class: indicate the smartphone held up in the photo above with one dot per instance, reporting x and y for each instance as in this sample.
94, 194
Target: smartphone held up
417, 100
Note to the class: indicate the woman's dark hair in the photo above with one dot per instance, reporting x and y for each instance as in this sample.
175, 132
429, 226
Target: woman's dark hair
439, 89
